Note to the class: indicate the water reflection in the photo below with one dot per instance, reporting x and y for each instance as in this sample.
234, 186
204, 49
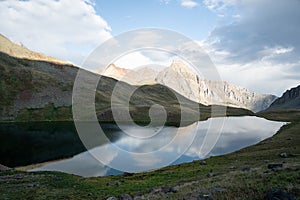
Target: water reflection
238, 132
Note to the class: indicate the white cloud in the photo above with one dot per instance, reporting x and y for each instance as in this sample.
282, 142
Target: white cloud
188, 3
133, 60
66, 29
141, 58
282, 50
262, 44
165, 1
219, 5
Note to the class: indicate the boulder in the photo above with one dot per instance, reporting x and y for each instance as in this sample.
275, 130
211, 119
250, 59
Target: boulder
246, 169
283, 155
275, 166
168, 189
125, 197
111, 198
203, 162
278, 194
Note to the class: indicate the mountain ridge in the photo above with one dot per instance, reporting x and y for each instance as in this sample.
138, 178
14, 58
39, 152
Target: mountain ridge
290, 99
20, 51
39, 90
179, 77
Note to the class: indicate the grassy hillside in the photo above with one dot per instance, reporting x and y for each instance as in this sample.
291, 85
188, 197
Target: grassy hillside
34, 90
290, 115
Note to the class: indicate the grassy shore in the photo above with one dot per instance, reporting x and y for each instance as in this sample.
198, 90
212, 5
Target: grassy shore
240, 175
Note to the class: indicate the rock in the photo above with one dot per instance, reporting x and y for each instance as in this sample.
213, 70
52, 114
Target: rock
232, 167
210, 174
267, 172
90, 194
218, 190
31, 185
3, 168
58, 178
111, 198
173, 190
168, 189
246, 169
203, 162
125, 197
275, 166
113, 183
283, 155
198, 195
128, 174
155, 190
139, 196
278, 195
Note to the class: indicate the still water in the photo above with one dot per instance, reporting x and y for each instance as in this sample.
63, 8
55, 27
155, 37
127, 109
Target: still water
161, 146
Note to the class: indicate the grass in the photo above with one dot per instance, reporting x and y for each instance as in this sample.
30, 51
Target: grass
189, 179
291, 115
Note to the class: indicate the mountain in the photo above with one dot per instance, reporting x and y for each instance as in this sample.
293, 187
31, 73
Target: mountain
186, 82
19, 51
41, 90
289, 100
141, 76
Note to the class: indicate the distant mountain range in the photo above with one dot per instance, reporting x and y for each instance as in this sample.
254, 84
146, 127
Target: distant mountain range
179, 77
35, 87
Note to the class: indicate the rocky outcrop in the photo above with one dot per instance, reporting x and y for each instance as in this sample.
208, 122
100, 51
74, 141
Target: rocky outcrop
289, 100
186, 82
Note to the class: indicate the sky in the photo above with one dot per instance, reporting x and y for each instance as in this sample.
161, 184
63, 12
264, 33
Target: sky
253, 43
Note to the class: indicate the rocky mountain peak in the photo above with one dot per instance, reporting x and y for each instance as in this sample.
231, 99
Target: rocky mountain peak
182, 67
184, 80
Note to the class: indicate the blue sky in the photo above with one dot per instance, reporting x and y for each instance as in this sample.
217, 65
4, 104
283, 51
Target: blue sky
195, 22
253, 43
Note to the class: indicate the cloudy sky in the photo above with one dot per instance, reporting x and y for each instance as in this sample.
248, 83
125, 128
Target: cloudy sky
253, 43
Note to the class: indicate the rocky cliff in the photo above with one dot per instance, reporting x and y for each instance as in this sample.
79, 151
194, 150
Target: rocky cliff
289, 100
186, 82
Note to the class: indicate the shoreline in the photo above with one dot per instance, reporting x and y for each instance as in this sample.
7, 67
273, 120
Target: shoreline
248, 173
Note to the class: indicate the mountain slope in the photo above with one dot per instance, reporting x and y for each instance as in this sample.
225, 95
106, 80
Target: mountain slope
19, 51
186, 82
289, 100
38, 90
42, 91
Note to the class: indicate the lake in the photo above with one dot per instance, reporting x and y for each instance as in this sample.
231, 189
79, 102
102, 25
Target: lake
131, 149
